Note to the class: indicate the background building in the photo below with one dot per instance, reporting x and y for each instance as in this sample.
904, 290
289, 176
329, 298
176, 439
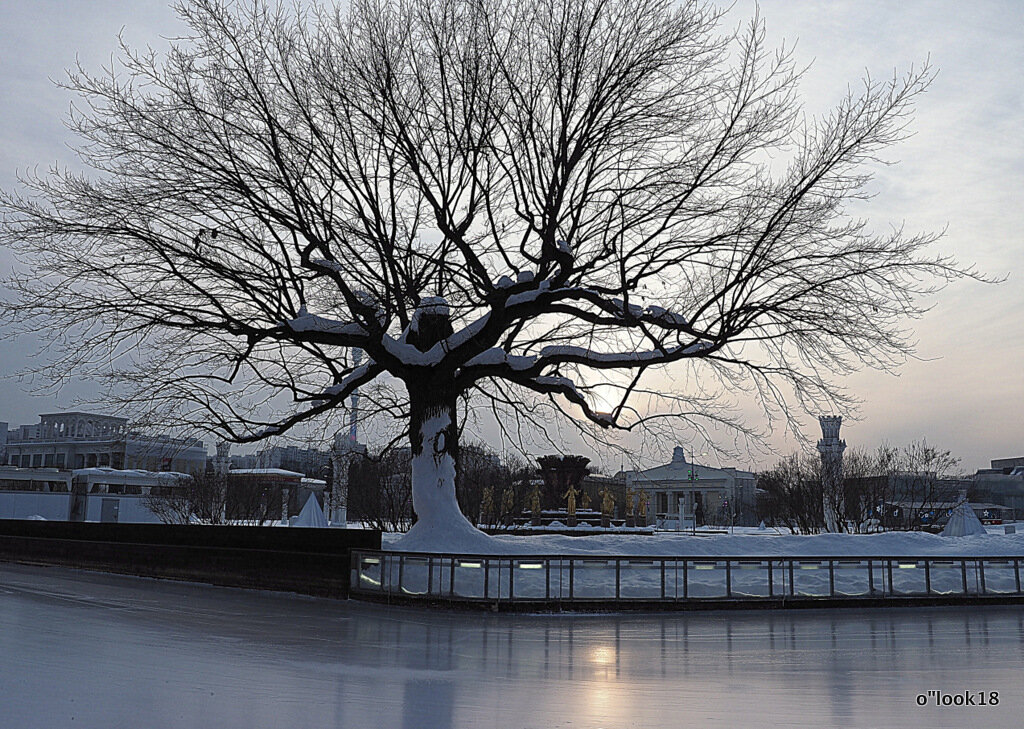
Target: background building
86, 440
1001, 484
309, 461
686, 491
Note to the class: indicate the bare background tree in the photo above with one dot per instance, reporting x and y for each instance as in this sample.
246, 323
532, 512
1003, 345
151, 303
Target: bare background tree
202, 497
543, 207
791, 495
891, 488
380, 490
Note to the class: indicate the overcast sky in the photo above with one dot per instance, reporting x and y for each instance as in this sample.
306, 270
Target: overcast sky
963, 172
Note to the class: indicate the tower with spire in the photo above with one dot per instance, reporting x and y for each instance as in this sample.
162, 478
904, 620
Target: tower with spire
831, 449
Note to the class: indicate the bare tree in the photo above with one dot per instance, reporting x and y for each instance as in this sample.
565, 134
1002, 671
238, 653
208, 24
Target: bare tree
201, 497
916, 480
792, 494
894, 486
252, 500
380, 490
538, 206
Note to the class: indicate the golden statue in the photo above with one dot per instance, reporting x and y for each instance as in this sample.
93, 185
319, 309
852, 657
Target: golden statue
584, 502
507, 502
607, 502
644, 499
486, 505
631, 501
570, 495
535, 500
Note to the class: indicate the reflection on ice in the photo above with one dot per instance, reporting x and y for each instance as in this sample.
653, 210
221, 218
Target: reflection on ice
147, 653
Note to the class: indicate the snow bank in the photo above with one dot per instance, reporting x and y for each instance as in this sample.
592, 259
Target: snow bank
889, 544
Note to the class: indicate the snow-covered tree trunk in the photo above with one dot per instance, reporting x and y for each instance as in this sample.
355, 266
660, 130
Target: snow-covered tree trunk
434, 437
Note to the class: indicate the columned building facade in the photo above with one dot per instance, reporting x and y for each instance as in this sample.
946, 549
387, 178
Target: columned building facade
86, 440
682, 493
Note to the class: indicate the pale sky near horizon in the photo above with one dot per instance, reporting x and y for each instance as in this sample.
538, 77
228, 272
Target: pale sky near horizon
962, 172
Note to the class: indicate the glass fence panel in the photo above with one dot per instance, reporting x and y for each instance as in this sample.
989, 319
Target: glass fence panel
415, 572
594, 578
1000, 576
440, 576
530, 579
851, 577
369, 573
498, 575
469, 578
810, 577
749, 578
674, 574
972, 567
391, 569
946, 576
640, 579
706, 578
560, 576
908, 577
880, 577
780, 586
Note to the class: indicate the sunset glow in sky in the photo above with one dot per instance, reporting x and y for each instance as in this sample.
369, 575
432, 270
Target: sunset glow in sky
961, 172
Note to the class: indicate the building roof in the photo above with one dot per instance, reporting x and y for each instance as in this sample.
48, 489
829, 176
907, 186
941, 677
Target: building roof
679, 470
127, 473
265, 472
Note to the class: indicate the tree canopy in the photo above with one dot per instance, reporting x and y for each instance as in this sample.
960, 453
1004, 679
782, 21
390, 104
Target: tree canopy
517, 201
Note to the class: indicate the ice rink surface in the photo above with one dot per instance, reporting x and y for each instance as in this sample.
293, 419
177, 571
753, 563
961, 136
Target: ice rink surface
81, 649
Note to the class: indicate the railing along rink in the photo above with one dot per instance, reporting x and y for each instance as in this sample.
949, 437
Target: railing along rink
574, 582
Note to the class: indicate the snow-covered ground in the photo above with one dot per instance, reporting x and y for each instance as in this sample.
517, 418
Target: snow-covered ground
745, 542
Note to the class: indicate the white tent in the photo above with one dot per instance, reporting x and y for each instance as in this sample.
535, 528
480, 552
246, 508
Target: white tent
311, 515
963, 521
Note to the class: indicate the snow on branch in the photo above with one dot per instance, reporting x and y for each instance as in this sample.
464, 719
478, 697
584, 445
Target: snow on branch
306, 322
590, 358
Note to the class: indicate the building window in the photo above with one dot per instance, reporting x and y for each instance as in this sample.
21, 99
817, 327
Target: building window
79, 460
37, 460
104, 459
48, 460
60, 460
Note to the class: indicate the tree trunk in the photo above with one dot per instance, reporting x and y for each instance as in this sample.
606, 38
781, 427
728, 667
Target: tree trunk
434, 437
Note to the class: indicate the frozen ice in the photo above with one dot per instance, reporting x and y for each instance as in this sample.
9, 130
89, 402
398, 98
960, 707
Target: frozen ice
94, 650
